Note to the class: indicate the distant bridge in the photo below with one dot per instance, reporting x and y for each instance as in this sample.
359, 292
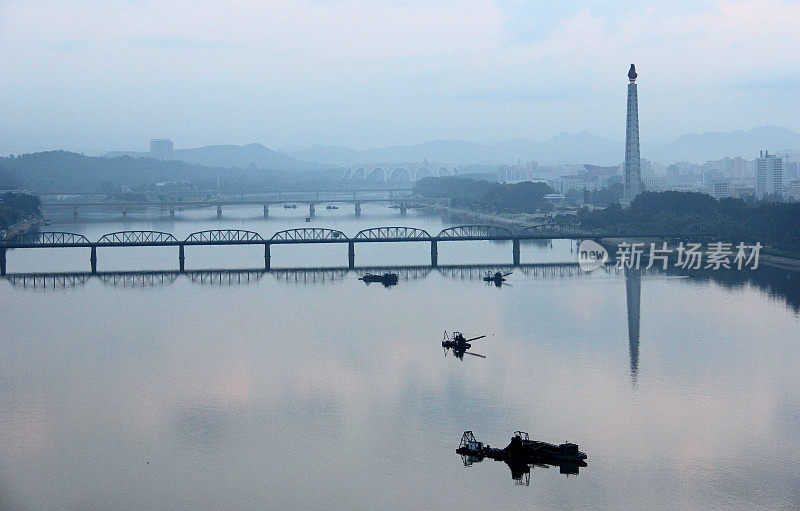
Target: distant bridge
356, 197
318, 235
397, 173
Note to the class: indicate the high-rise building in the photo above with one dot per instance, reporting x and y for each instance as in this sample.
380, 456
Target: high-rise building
633, 169
720, 189
769, 175
791, 164
161, 149
740, 168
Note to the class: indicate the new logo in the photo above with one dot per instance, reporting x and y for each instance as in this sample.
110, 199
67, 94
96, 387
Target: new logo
591, 255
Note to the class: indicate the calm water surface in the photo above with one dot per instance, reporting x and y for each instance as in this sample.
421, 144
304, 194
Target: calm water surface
311, 390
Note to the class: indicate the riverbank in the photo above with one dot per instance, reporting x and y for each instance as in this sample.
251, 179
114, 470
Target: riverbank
782, 262
785, 263
522, 220
507, 220
25, 226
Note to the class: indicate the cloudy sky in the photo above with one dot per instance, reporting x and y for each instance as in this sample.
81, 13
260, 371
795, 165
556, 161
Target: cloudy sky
111, 74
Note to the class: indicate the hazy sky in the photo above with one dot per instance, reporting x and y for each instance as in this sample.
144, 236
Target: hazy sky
110, 74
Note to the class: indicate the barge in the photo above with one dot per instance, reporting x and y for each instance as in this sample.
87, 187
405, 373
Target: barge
522, 453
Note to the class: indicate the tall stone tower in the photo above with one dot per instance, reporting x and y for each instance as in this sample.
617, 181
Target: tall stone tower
633, 167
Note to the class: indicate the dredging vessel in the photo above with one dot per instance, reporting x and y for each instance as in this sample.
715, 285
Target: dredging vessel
522, 453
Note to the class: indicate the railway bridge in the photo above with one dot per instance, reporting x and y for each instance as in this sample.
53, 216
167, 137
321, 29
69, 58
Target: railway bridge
318, 235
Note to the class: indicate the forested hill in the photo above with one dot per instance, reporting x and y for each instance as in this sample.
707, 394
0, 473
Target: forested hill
17, 206
65, 172
233, 156
477, 195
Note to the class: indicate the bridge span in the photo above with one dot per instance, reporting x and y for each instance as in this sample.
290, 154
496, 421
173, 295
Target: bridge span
317, 235
402, 197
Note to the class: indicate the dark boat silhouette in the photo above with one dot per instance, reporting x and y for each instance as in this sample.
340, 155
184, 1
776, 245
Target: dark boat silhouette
387, 279
522, 453
497, 277
460, 344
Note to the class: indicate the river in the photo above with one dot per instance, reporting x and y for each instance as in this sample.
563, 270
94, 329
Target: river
309, 389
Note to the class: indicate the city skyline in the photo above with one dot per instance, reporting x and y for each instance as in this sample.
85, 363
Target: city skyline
348, 73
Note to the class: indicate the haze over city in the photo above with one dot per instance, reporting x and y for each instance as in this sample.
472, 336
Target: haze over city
402, 254
94, 76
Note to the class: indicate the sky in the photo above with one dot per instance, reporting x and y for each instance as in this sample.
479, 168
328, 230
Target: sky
100, 75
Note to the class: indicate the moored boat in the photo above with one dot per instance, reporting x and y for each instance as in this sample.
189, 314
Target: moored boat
386, 279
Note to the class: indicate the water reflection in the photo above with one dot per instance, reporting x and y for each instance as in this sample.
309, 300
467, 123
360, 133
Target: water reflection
633, 299
267, 384
778, 283
68, 280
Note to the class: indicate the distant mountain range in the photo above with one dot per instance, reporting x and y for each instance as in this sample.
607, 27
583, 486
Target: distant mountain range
233, 156
566, 147
574, 148
702, 147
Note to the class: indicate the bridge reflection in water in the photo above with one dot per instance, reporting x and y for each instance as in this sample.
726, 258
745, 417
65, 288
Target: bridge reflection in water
69, 280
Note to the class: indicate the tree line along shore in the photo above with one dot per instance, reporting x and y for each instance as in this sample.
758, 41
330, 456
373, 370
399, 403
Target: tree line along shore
776, 225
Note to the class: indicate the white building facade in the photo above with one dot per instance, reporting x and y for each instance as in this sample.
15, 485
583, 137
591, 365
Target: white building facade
769, 175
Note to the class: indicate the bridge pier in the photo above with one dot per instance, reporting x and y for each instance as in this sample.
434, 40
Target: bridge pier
266, 210
351, 255
93, 259
172, 211
124, 211
181, 258
75, 212
358, 208
2, 260
403, 209
434, 254
311, 210
267, 256
515, 250
219, 210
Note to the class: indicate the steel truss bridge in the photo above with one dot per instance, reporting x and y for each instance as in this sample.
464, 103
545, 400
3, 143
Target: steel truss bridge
318, 235
224, 277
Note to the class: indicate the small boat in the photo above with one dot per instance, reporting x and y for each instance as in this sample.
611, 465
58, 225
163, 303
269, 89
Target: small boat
308, 219
331, 206
460, 344
290, 206
497, 277
387, 279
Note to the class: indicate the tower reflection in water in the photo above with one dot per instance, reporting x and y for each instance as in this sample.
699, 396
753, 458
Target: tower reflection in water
633, 297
